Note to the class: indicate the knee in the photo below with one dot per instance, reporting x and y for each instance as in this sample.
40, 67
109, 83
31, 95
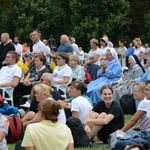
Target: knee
102, 115
94, 115
30, 115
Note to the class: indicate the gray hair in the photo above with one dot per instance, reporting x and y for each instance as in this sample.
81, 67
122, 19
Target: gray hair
49, 76
73, 39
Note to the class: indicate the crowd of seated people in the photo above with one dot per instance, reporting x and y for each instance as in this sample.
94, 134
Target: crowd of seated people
94, 104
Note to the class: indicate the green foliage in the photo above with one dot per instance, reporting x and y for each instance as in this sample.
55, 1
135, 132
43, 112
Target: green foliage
146, 33
92, 19
79, 18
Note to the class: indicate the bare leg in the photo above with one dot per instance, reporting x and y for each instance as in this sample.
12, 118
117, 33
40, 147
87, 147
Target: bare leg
29, 116
89, 126
95, 128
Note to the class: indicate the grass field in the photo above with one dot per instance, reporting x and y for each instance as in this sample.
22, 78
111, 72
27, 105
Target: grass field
127, 117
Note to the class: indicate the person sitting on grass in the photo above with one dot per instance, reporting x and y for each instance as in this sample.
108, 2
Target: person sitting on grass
105, 118
143, 112
48, 134
79, 104
41, 92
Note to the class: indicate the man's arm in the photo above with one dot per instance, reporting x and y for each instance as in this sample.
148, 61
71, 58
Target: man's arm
133, 120
14, 83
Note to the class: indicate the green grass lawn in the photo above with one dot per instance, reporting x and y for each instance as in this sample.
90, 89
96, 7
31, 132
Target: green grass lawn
127, 117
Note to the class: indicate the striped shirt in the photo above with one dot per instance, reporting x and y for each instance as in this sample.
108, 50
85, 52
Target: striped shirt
144, 121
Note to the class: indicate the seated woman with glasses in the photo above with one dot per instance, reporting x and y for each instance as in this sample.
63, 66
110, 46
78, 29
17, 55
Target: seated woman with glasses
48, 134
62, 72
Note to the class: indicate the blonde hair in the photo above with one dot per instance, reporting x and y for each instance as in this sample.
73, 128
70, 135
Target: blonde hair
75, 58
138, 40
41, 88
141, 86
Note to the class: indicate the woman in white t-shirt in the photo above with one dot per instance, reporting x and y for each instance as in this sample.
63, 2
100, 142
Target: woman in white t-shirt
104, 46
79, 103
62, 72
139, 51
94, 54
92, 64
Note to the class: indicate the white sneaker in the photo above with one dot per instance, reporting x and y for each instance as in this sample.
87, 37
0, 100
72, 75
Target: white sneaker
27, 105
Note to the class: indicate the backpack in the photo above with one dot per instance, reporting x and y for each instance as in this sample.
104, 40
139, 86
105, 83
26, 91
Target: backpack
79, 135
16, 129
127, 103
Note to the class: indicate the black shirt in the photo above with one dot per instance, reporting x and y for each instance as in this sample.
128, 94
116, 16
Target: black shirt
3, 51
115, 124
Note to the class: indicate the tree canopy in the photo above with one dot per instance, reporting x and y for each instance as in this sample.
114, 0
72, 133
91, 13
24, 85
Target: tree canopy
81, 19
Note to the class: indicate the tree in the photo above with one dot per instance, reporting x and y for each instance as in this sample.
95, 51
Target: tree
92, 19
45, 15
139, 13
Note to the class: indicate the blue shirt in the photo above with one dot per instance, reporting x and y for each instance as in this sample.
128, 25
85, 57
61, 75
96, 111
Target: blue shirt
65, 48
130, 51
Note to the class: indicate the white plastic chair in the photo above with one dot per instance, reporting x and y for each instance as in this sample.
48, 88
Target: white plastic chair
8, 91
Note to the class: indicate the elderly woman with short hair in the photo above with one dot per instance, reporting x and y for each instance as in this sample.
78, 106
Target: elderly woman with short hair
93, 59
77, 70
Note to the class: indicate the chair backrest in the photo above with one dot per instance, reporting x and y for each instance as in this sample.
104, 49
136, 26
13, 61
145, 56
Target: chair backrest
7, 93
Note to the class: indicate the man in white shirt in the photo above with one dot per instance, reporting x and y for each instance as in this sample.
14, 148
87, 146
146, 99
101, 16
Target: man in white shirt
47, 51
18, 46
38, 44
10, 75
143, 112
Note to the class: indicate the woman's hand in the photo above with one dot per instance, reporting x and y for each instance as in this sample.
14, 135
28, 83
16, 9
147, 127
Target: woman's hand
104, 64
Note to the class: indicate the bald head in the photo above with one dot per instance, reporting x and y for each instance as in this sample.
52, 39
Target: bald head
47, 78
5, 38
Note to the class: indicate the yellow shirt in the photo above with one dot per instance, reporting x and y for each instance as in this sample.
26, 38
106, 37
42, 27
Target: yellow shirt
52, 65
47, 135
23, 66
